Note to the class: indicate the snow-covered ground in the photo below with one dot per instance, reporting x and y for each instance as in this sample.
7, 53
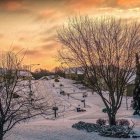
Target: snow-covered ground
60, 128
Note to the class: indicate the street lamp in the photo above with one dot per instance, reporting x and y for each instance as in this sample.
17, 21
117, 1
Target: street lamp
30, 78
83, 101
55, 109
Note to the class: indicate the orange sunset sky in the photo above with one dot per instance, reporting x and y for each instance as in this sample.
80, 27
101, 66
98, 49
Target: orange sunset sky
31, 24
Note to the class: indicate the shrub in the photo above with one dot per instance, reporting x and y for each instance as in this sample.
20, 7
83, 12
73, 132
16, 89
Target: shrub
56, 80
123, 122
104, 110
61, 85
62, 92
101, 122
117, 131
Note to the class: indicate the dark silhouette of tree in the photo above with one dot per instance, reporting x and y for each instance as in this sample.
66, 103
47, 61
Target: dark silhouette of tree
136, 93
59, 71
105, 48
37, 74
16, 104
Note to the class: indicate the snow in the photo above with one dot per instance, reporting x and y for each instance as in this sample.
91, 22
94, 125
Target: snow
60, 129
25, 73
132, 79
78, 71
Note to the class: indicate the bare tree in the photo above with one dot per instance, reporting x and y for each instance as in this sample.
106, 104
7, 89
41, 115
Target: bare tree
59, 71
136, 92
105, 49
16, 104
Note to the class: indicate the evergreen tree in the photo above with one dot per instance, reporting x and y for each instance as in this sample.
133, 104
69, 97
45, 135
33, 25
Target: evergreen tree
136, 93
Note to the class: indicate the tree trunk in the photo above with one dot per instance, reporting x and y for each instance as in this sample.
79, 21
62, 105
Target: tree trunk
1, 132
112, 119
1, 137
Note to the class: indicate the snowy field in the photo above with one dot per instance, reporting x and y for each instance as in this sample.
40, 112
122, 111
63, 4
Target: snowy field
60, 128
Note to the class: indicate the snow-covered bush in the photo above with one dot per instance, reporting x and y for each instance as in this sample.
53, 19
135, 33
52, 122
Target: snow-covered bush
116, 131
89, 127
123, 122
62, 92
56, 80
101, 122
61, 85
104, 110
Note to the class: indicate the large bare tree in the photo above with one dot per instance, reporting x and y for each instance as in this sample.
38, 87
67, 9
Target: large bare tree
105, 49
16, 103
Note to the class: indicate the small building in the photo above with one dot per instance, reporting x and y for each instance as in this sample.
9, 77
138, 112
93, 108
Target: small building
24, 74
130, 86
49, 77
75, 74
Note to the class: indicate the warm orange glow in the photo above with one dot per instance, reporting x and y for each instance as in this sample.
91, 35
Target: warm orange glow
129, 3
13, 6
31, 24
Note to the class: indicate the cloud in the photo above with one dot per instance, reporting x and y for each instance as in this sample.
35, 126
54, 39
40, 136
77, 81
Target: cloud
39, 26
129, 3
110, 3
1, 35
50, 46
85, 4
14, 6
50, 30
39, 53
45, 14
49, 38
50, 15
24, 38
16, 47
34, 53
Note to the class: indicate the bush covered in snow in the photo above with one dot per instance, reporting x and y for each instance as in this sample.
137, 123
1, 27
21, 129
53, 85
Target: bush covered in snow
118, 131
89, 127
104, 110
56, 80
101, 122
61, 85
123, 122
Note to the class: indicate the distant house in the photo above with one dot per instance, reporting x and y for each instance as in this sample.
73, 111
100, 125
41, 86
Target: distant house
75, 74
130, 86
49, 77
24, 74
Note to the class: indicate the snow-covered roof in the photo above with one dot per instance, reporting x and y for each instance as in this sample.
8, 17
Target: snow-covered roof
47, 77
74, 71
20, 72
80, 72
25, 73
132, 79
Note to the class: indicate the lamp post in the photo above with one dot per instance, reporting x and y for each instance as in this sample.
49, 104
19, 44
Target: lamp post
83, 101
55, 109
30, 78
29, 68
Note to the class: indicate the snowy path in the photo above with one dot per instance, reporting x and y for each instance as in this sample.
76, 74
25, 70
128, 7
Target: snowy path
60, 129
56, 130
